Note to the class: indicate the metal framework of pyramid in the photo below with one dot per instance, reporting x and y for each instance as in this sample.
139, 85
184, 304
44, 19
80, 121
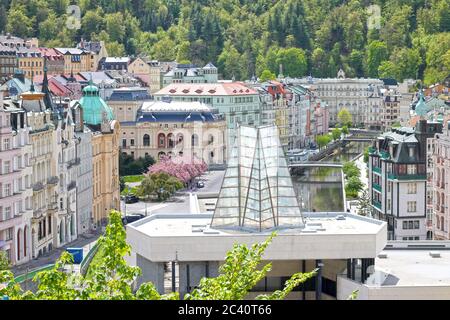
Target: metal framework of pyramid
257, 192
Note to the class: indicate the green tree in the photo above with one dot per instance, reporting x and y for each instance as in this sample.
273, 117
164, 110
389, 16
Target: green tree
345, 130
293, 61
267, 75
364, 203
319, 63
345, 117
323, 140
377, 52
111, 278
353, 186
350, 170
4, 261
115, 49
388, 69
336, 133
115, 27
160, 184
395, 30
230, 62
18, 23
92, 22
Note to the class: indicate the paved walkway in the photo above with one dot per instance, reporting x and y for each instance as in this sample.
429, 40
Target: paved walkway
84, 241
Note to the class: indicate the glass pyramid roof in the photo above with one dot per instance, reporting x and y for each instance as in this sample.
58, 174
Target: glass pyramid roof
257, 192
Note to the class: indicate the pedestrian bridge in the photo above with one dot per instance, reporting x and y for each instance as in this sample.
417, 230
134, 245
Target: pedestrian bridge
315, 164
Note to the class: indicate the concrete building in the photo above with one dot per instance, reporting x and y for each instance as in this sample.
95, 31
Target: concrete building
114, 63
84, 175
99, 118
188, 73
239, 103
390, 109
31, 62
96, 47
189, 129
398, 179
17, 42
342, 92
151, 71
8, 63
15, 184
256, 198
440, 184
54, 61
77, 60
125, 102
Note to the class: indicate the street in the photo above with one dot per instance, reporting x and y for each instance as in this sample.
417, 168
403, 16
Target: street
179, 203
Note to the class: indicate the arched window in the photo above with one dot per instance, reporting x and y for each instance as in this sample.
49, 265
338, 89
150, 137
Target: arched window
19, 235
194, 140
180, 139
171, 140
161, 140
161, 154
25, 231
146, 140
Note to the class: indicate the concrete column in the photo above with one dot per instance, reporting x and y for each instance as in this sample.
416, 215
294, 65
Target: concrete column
151, 272
319, 265
190, 274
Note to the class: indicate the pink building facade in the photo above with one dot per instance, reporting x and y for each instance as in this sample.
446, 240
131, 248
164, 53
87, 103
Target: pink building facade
441, 187
15, 179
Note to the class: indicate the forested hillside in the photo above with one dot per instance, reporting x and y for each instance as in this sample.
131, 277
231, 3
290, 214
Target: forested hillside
245, 37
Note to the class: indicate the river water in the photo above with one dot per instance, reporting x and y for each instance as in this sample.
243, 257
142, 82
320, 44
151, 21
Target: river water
321, 189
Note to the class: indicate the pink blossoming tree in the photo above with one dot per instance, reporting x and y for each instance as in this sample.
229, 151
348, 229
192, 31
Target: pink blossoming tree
181, 167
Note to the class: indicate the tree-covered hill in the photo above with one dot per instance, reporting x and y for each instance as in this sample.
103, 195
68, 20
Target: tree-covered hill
244, 37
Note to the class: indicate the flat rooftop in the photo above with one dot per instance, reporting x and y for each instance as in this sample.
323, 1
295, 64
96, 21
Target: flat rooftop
188, 237
409, 267
316, 223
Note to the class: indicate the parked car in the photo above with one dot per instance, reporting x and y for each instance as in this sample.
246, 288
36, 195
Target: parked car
200, 184
131, 199
129, 218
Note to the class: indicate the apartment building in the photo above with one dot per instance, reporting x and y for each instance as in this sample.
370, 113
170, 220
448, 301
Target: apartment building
440, 184
100, 119
398, 179
15, 184
8, 62
31, 62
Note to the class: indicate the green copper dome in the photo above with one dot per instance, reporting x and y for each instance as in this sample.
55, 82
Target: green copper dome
94, 106
421, 107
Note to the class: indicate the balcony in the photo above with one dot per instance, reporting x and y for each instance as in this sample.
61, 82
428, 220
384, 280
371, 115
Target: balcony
53, 180
73, 162
376, 169
394, 176
71, 185
376, 204
376, 187
38, 186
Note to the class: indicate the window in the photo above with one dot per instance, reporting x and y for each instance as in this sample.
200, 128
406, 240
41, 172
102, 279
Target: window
132, 142
124, 143
411, 206
416, 224
412, 188
146, 140
6, 144
7, 190
405, 225
411, 169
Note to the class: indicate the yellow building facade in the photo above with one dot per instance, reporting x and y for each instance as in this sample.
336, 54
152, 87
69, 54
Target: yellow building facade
31, 62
